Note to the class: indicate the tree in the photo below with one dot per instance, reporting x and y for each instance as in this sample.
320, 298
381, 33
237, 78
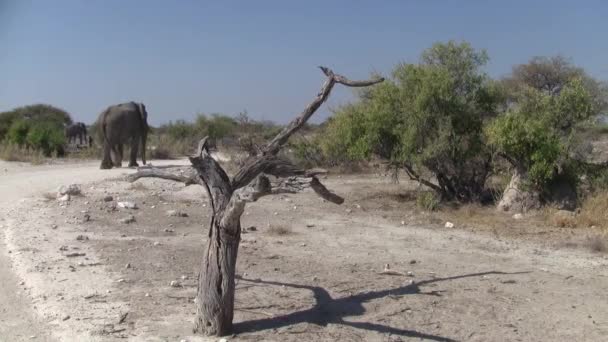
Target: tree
535, 136
215, 297
38, 126
428, 118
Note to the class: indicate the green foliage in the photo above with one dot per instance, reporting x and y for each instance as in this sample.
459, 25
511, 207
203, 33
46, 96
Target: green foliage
47, 138
428, 201
17, 133
428, 116
33, 113
38, 127
535, 135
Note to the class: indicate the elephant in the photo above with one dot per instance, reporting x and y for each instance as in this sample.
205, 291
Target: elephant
121, 124
76, 130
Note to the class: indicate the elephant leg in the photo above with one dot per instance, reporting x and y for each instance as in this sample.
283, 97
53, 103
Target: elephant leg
117, 155
134, 150
106, 162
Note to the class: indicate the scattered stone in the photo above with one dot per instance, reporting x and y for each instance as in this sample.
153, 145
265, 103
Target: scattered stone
63, 248
295, 207
358, 206
176, 213
72, 190
518, 216
275, 213
65, 318
310, 225
75, 254
410, 273
413, 261
86, 218
156, 243
127, 205
184, 277
302, 245
348, 211
175, 283
449, 225
108, 198
121, 280
147, 294
403, 223
128, 265
64, 198
252, 229
53, 226
82, 238
128, 219
168, 230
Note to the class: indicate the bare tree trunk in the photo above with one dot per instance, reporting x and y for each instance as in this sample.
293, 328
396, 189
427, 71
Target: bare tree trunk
215, 306
215, 294
519, 196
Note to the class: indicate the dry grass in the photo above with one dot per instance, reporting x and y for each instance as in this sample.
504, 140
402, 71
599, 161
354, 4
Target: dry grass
279, 230
593, 213
11, 152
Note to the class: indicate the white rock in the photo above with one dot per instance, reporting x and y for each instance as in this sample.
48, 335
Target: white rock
403, 223
127, 205
156, 243
175, 283
64, 198
72, 189
449, 225
518, 216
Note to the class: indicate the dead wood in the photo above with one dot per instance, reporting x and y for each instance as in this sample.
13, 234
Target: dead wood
228, 197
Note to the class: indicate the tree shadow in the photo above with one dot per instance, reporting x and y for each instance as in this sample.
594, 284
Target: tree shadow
328, 310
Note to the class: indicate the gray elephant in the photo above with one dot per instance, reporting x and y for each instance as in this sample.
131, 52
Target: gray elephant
77, 130
125, 123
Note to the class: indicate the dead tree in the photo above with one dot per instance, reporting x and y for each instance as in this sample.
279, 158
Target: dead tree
228, 197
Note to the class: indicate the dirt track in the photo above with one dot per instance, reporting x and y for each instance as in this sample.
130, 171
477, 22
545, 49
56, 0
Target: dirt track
318, 280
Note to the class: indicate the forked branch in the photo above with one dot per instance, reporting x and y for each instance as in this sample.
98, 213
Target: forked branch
255, 166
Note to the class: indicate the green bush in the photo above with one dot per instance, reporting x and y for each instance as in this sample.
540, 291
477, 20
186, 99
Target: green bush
17, 133
427, 117
46, 138
536, 135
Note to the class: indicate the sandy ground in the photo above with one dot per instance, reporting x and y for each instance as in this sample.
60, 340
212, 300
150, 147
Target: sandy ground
309, 271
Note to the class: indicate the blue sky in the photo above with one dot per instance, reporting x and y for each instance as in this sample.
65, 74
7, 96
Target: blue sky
184, 57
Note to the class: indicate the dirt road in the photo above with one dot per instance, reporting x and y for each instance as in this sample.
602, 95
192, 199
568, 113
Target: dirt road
309, 271
18, 321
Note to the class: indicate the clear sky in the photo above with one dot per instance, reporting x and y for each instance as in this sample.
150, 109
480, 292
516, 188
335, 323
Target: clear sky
183, 57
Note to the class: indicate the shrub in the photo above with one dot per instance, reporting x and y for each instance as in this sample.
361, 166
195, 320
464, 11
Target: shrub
46, 138
427, 117
17, 133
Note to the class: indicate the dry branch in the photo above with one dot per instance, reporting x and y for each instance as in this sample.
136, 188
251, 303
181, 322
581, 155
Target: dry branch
185, 175
216, 284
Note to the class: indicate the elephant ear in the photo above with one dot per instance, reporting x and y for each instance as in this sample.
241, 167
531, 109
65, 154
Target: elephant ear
142, 112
